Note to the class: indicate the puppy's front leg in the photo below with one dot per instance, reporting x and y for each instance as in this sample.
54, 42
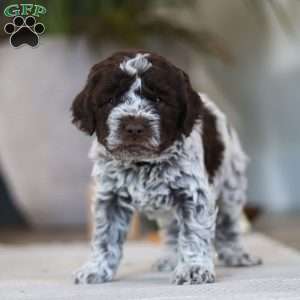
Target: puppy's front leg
111, 224
196, 219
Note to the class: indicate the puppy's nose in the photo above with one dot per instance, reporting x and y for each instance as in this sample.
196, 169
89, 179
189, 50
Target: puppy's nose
134, 129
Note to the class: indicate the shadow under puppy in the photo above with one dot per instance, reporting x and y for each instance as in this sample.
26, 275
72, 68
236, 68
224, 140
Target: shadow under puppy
163, 149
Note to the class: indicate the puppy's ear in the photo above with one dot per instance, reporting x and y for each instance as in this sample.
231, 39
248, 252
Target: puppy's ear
83, 108
193, 105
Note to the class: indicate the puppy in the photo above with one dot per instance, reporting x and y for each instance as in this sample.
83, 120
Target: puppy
166, 150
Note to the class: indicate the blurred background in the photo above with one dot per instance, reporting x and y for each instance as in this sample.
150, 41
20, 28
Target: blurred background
243, 53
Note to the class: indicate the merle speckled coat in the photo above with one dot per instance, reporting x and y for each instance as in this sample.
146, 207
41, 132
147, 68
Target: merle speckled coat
165, 150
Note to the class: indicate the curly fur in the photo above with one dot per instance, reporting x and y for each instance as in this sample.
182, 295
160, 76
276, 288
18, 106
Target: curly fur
194, 185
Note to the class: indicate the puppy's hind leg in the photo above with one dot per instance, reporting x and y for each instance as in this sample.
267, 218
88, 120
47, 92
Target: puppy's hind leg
228, 236
168, 262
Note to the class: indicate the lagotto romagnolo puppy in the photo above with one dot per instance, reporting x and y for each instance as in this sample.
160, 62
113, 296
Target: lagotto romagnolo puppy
168, 151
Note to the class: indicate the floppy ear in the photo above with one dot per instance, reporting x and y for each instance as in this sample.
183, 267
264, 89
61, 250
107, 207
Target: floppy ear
83, 113
193, 105
83, 109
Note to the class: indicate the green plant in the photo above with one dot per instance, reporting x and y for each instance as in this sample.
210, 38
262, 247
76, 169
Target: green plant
131, 23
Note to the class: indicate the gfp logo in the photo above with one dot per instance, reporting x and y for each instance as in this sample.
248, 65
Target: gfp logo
24, 28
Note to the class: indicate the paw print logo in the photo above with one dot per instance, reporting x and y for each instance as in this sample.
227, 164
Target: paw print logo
24, 31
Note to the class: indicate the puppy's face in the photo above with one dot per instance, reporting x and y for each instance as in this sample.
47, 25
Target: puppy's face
137, 103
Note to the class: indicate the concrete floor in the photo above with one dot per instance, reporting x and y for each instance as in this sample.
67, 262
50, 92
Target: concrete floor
44, 271
27, 275
284, 228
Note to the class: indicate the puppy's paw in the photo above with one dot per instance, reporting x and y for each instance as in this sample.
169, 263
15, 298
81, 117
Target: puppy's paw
240, 259
165, 264
192, 274
93, 273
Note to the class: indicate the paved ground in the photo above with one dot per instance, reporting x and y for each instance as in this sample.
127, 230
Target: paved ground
281, 227
43, 271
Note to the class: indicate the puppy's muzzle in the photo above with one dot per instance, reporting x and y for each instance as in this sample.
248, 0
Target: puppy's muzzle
135, 132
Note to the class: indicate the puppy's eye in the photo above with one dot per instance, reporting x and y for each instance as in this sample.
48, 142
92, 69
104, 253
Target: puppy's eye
108, 101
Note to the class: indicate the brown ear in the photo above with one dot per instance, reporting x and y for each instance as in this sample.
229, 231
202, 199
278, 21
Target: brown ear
193, 106
83, 111
84, 105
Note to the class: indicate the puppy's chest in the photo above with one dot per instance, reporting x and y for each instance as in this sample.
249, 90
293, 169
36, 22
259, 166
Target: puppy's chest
147, 187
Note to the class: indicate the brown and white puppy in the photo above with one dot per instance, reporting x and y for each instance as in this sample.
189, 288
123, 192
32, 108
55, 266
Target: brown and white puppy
166, 150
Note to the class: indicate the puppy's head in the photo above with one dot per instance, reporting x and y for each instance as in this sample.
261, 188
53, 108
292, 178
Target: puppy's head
137, 103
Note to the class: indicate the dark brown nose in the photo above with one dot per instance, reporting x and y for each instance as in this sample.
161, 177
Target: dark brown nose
136, 129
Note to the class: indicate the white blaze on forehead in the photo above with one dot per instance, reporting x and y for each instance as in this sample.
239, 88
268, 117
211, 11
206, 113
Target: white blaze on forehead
133, 105
136, 65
